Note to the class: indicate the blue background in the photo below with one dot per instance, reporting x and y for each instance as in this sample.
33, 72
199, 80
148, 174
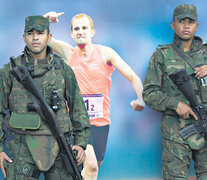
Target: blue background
132, 28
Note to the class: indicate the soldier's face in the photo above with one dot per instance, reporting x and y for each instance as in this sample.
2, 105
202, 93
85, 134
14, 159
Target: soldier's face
185, 28
36, 42
82, 32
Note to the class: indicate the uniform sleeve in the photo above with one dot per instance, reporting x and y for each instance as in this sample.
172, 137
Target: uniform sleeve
78, 113
154, 94
5, 86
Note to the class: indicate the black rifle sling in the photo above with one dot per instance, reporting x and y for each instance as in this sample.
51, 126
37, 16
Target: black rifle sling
183, 55
23, 62
35, 101
37, 107
13, 64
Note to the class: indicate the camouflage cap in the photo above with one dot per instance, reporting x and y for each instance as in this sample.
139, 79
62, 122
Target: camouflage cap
185, 11
38, 23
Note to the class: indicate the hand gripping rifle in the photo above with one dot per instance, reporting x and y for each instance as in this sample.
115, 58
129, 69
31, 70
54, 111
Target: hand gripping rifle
182, 81
48, 116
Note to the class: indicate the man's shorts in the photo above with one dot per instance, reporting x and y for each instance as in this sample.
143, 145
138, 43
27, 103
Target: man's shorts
98, 139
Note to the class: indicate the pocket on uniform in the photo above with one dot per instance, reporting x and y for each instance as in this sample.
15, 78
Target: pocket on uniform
203, 90
166, 157
25, 121
5, 163
9, 168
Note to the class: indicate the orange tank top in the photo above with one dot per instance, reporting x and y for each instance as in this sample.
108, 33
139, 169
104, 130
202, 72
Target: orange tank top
94, 80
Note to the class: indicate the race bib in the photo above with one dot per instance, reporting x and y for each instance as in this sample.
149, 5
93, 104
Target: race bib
94, 105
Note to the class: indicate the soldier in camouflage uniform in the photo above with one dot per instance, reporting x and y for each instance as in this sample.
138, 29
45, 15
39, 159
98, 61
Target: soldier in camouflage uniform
162, 95
33, 149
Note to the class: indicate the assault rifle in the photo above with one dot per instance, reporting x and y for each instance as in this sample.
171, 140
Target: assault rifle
48, 116
182, 81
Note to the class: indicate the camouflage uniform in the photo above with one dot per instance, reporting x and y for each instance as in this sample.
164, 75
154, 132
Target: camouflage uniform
162, 95
33, 148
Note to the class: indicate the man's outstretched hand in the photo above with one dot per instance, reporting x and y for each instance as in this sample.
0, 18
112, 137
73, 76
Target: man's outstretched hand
53, 16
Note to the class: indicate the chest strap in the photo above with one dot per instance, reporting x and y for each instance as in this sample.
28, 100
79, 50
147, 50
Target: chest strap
183, 55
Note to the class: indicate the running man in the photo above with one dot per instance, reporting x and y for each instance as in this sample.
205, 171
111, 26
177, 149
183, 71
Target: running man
93, 66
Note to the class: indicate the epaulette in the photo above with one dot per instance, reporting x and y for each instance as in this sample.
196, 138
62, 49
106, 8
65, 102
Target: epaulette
162, 46
59, 62
204, 43
59, 59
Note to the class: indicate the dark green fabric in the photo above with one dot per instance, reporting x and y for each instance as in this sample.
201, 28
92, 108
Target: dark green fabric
161, 94
185, 11
15, 97
23, 166
38, 23
25, 121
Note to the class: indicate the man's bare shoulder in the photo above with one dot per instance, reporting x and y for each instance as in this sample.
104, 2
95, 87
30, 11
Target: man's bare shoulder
106, 49
67, 53
71, 49
107, 53
68, 48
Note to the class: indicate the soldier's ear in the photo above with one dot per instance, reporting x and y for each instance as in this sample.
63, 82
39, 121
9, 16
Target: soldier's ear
172, 25
24, 37
197, 25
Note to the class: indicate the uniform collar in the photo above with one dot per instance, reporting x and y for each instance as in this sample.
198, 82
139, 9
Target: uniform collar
30, 59
195, 46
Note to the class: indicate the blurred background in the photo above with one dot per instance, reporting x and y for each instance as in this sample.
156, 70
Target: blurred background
134, 29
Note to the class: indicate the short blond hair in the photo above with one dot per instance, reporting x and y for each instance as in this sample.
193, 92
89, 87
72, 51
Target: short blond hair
78, 16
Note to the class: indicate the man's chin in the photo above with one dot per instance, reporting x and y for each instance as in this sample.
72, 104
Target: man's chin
35, 52
81, 42
186, 39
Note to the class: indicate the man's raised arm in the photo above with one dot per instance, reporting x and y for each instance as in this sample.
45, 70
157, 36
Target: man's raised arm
62, 48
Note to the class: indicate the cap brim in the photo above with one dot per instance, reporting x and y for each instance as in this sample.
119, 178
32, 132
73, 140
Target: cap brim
186, 16
41, 29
